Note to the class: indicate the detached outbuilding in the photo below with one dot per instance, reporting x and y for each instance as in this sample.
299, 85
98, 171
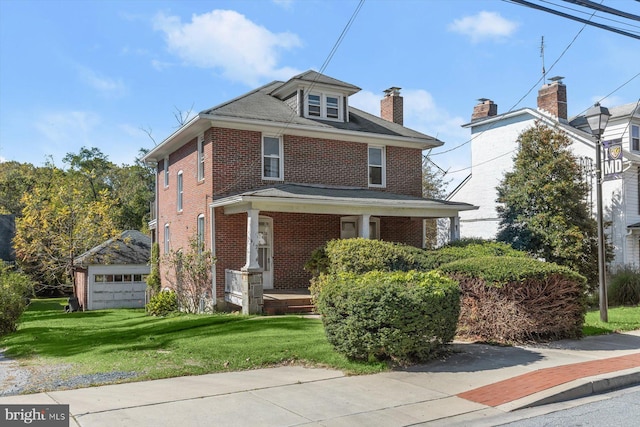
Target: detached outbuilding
113, 274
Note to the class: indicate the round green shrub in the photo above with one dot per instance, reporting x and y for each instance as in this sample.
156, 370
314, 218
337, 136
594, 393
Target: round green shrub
15, 290
363, 255
470, 248
402, 316
509, 299
624, 287
162, 304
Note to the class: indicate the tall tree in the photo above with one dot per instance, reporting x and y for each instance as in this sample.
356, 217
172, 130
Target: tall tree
58, 223
16, 179
542, 206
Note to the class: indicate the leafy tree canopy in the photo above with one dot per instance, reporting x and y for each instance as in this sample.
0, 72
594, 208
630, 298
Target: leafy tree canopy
542, 203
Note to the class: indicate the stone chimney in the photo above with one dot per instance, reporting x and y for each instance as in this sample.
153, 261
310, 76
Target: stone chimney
486, 108
552, 98
391, 106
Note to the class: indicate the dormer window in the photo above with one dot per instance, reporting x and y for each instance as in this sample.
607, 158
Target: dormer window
324, 106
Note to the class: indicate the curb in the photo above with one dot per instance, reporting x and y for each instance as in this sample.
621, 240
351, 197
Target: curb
577, 389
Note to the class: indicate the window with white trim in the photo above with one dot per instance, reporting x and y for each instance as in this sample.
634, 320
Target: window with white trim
166, 238
180, 191
272, 158
350, 227
377, 173
166, 171
635, 137
201, 158
323, 105
200, 232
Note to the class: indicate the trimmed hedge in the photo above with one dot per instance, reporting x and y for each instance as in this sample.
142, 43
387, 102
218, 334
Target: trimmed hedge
163, 303
15, 290
469, 249
403, 316
363, 255
511, 299
624, 286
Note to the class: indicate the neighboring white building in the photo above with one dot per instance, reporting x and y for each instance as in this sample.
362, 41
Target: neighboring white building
493, 147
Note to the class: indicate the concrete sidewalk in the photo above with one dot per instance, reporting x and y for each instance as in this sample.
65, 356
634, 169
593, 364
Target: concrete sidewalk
471, 387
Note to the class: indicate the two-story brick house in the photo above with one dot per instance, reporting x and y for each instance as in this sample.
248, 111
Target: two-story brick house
265, 178
493, 147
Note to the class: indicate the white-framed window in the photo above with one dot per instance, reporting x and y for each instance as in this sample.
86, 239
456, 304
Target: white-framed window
323, 105
180, 191
272, 158
201, 158
166, 171
635, 137
377, 172
167, 239
350, 227
200, 232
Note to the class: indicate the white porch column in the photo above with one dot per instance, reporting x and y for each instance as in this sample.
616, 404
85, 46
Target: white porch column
252, 240
454, 228
364, 226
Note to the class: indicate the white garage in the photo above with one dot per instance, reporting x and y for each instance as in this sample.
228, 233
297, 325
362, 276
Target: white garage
113, 274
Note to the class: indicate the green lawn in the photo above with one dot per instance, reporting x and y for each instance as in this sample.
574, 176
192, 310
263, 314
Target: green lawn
128, 340
620, 319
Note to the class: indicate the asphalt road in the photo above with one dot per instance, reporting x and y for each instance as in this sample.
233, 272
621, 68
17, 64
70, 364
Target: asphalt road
619, 408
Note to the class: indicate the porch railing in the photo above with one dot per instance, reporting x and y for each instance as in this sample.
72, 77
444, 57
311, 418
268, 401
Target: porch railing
233, 286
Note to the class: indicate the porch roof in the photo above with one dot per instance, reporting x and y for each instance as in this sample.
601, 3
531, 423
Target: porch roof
322, 199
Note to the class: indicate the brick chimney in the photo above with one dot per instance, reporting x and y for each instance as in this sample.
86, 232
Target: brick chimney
552, 98
486, 108
391, 106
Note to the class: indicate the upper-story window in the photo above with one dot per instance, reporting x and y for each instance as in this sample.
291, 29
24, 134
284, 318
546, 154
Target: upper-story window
272, 158
635, 137
323, 105
166, 171
180, 191
200, 157
377, 173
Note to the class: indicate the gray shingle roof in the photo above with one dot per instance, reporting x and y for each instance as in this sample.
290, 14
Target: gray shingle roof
130, 247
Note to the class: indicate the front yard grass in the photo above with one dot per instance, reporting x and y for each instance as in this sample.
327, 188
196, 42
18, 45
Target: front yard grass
127, 340
620, 319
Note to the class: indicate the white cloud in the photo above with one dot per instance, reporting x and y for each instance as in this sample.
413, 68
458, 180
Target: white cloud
484, 26
106, 86
228, 42
2, 159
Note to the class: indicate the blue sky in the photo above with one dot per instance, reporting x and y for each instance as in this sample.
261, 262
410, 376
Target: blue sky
106, 73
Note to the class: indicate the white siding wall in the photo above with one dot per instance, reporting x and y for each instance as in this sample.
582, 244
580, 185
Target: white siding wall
492, 150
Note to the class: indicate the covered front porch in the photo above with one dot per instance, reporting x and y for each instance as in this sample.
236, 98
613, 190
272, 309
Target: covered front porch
281, 225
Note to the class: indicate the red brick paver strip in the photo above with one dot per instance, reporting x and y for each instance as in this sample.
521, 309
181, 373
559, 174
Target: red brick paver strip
524, 385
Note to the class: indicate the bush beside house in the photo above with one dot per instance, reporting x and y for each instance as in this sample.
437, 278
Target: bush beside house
470, 248
402, 316
512, 299
15, 291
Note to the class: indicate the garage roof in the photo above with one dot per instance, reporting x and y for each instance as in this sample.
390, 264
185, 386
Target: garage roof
130, 247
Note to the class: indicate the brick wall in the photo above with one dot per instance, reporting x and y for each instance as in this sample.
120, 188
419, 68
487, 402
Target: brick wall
233, 164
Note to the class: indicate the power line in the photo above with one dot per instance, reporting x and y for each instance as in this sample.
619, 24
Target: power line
602, 8
575, 18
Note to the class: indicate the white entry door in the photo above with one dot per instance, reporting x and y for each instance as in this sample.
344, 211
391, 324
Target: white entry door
265, 251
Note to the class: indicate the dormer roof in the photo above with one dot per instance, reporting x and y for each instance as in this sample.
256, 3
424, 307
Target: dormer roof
313, 78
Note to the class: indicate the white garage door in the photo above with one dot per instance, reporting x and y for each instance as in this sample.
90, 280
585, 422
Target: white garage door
118, 291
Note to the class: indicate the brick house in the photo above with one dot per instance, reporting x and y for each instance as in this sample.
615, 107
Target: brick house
493, 146
265, 178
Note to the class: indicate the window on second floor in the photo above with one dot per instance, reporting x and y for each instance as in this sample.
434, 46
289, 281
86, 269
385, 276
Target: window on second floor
180, 191
166, 171
272, 158
377, 173
635, 137
201, 158
325, 106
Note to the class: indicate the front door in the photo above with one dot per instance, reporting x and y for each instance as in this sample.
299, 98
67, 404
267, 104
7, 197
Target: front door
265, 251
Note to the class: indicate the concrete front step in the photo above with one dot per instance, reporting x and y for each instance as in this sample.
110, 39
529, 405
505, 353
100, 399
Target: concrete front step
288, 306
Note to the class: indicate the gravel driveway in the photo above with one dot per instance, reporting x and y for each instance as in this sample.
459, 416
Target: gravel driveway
16, 379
